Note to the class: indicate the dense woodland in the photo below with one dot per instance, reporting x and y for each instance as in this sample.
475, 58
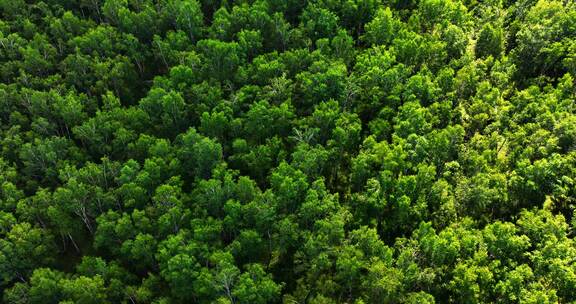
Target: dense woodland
287, 151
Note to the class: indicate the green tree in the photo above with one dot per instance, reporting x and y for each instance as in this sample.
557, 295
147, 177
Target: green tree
490, 42
23, 249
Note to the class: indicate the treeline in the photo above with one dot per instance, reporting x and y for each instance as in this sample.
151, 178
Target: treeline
287, 151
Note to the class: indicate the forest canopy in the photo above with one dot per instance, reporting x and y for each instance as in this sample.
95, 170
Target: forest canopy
287, 151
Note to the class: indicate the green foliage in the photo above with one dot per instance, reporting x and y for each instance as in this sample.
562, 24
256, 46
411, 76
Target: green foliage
490, 42
267, 151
